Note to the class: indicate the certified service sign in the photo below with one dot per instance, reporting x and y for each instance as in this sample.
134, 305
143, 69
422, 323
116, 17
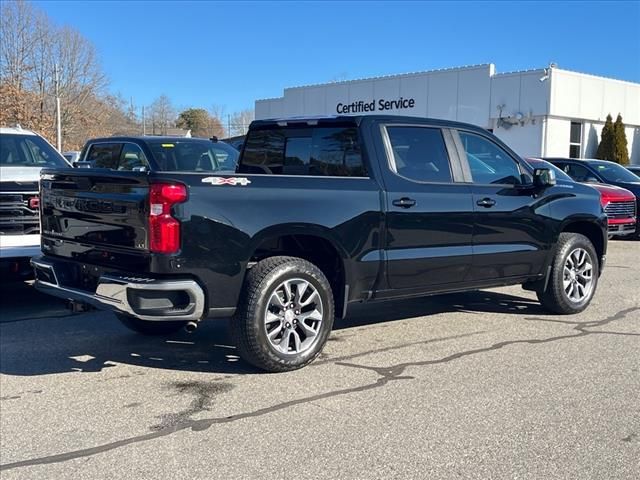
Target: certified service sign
360, 106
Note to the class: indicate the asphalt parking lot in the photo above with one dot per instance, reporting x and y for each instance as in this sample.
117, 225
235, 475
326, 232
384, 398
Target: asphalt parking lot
476, 385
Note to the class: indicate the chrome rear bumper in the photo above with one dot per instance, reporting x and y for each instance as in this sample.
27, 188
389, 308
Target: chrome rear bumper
116, 292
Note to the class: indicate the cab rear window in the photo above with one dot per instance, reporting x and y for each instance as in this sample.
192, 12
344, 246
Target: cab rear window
320, 151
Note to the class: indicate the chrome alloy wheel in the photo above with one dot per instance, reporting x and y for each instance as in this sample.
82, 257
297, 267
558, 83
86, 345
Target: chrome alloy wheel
577, 275
293, 316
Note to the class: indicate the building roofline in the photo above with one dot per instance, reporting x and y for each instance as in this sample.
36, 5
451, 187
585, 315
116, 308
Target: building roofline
491, 67
599, 77
394, 75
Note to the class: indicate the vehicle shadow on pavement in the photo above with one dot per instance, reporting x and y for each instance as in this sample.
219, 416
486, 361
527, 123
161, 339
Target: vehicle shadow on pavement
57, 342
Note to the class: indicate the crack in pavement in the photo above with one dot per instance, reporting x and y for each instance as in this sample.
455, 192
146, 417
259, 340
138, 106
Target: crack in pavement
28, 319
324, 361
386, 375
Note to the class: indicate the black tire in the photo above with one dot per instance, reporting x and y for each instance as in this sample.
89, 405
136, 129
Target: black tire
147, 327
554, 298
248, 325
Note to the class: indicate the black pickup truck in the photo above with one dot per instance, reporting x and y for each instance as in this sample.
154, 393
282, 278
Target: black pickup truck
320, 213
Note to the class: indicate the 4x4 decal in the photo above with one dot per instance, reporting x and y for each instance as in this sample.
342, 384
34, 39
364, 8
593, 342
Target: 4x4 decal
242, 181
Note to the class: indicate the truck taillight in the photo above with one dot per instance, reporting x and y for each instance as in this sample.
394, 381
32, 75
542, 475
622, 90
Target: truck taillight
164, 230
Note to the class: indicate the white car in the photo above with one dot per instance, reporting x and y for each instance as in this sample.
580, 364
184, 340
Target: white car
72, 156
23, 154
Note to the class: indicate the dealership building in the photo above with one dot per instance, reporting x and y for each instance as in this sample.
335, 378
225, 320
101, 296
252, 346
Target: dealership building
544, 112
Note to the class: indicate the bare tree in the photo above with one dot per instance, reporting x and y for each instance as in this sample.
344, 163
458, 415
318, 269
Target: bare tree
218, 112
18, 39
239, 122
162, 114
30, 46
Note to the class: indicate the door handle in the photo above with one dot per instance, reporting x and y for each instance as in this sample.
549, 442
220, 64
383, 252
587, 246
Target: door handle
404, 202
486, 202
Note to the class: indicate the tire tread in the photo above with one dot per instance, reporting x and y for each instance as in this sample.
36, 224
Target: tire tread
245, 331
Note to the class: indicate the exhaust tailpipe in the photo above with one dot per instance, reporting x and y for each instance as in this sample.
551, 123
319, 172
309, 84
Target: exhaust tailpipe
78, 307
191, 327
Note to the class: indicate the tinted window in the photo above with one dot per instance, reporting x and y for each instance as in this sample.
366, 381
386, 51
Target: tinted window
263, 152
226, 156
132, 158
105, 155
193, 155
579, 173
319, 151
28, 151
420, 154
575, 134
488, 162
575, 140
297, 155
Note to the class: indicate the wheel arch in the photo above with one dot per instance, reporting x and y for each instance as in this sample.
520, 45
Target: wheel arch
313, 243
593, 231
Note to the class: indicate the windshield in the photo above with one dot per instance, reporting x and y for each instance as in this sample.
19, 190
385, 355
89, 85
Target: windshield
194, 155
612, 172
28, 151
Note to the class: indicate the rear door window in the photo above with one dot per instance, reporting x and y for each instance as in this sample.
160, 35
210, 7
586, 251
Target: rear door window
104, 155
132, 158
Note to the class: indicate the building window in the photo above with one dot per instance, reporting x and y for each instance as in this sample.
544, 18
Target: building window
575, 140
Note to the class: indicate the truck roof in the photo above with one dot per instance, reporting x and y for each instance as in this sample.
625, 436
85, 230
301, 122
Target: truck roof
147, 138
358, 119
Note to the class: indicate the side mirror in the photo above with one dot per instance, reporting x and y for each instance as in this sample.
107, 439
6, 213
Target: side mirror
591, 180
544, 177
80, 164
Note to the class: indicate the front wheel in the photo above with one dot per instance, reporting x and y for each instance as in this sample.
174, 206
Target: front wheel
574, 275
147, 327
285, 315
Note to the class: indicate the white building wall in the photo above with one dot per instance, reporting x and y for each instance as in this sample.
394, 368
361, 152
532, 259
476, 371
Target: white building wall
461, 94
591, 132
525, 140
556, 143
588, 99
538, 104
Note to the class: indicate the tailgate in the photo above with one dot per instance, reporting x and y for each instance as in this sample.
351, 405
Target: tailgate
89, 209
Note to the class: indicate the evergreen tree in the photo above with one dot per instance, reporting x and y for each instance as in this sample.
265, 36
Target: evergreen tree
620, 151
606, 146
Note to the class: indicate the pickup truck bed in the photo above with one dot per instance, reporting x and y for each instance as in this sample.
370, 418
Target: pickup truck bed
321, 213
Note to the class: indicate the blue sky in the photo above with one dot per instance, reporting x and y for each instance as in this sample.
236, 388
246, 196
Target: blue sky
203, 53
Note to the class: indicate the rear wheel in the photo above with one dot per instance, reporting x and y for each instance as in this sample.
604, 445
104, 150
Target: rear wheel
574, 275
285, 315
147, 327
